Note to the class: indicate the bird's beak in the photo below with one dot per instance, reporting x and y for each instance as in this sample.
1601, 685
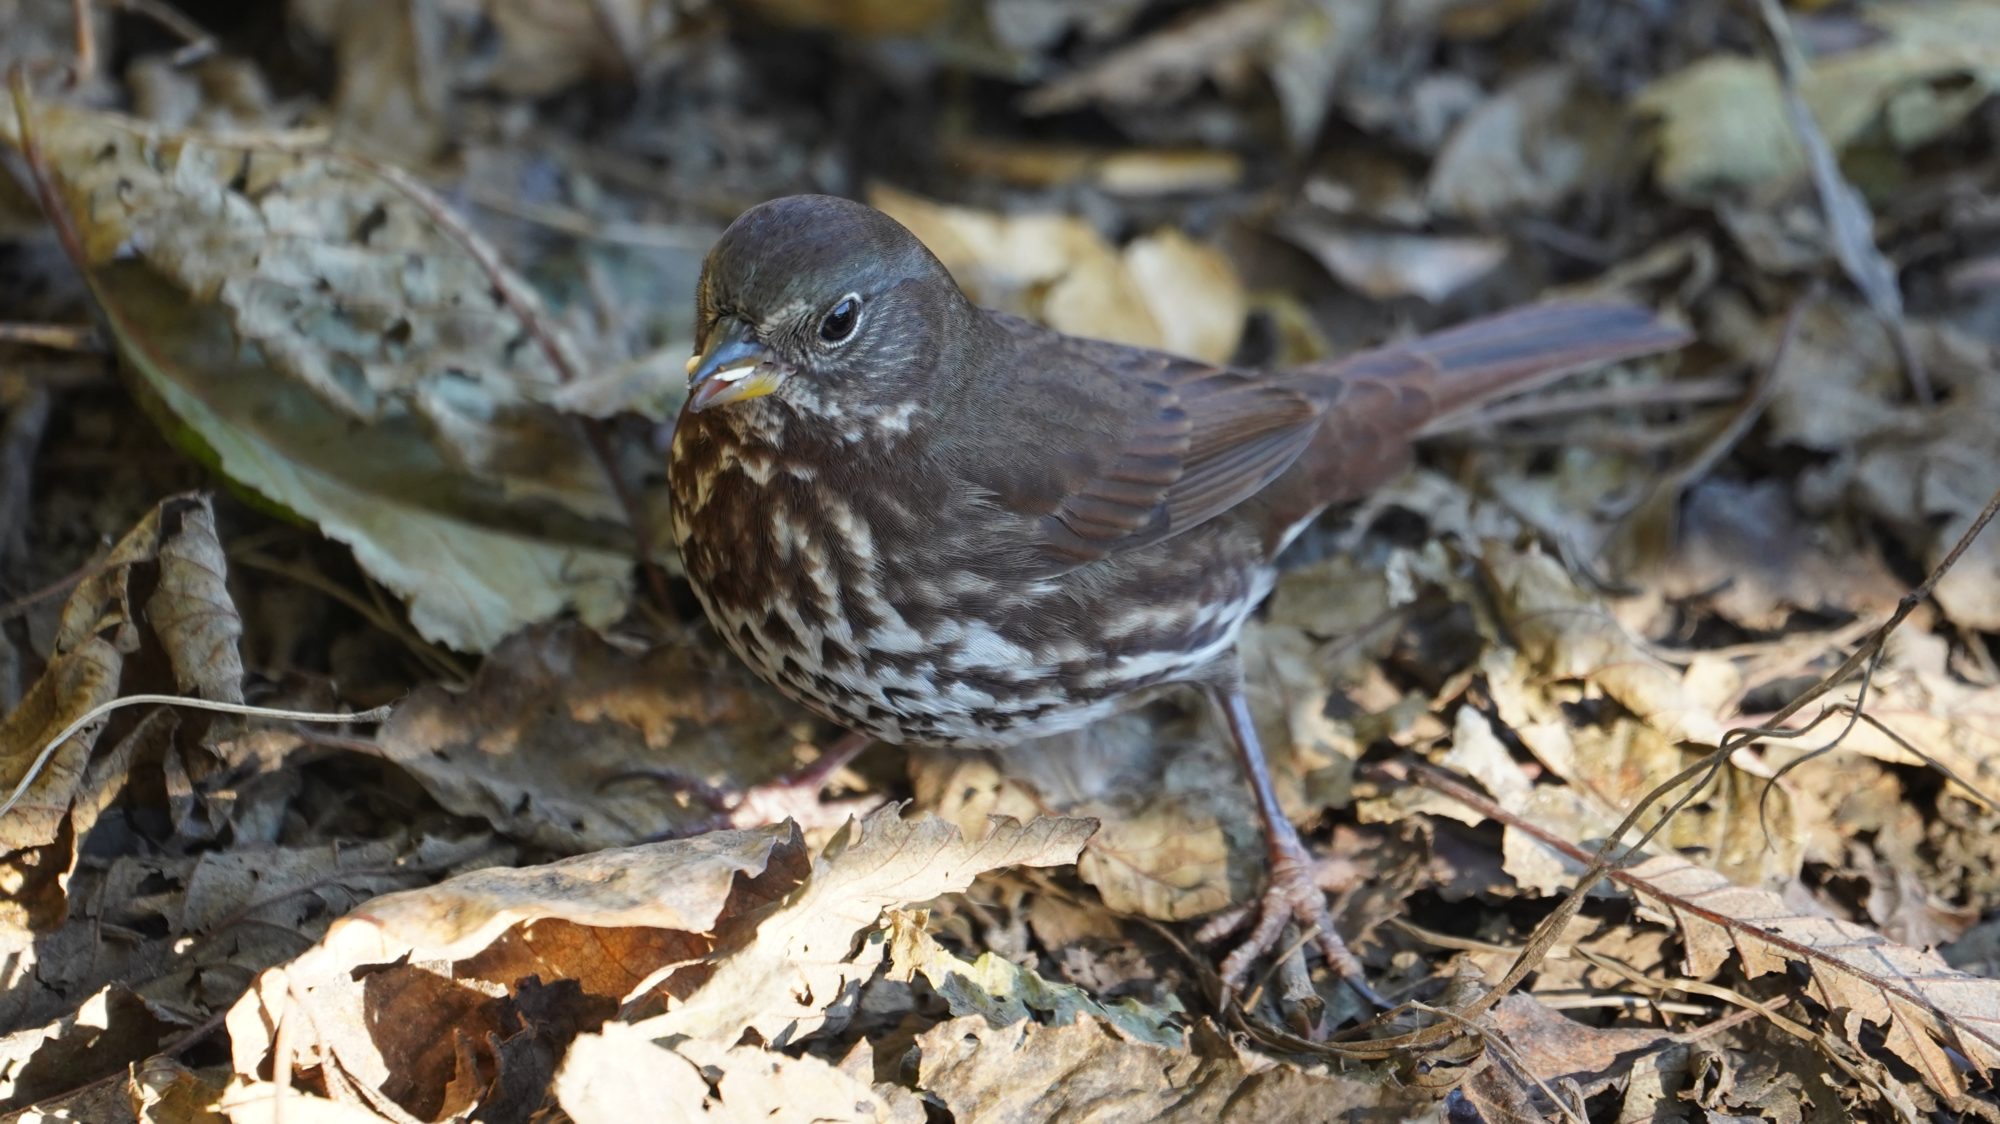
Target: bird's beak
735, 368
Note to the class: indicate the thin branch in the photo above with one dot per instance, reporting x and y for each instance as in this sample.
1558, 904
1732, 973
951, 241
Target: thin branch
1850, 227
379, 714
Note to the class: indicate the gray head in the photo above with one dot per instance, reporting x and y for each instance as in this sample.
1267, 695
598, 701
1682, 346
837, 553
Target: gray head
825, 303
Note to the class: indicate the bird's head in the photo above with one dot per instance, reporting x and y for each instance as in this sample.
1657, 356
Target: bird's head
822, 304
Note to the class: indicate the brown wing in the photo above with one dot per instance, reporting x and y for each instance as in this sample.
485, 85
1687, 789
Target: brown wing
1133, 446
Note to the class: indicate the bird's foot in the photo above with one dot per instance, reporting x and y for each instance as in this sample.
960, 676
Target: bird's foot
1292, 895
783, 799
798, 795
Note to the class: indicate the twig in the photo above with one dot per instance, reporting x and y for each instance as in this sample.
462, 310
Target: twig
1499, 1045
1876, 639
178, 1045
379, 714
1849, 225
577, 224
81, 574
55, 337
1611, 856
85, 33
371, 611
198, 44
1750, 1008
1724, 439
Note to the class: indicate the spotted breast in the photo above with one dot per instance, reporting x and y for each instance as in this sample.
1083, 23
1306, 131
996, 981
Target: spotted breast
860, 602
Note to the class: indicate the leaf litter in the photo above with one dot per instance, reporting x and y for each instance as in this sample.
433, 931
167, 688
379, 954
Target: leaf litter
420, 318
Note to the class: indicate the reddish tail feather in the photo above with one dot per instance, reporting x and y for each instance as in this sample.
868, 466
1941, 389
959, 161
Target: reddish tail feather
1380, 400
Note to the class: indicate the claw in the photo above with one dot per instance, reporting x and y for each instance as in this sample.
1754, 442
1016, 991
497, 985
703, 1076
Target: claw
1293, 896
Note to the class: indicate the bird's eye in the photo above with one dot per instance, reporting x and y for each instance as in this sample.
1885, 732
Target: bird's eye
841, 319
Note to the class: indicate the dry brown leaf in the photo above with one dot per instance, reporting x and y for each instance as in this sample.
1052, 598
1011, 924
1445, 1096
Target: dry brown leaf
494, 971
1937, 1020
1162, 290
1554, 1048
1613, 757
1922, 69
1179, 838
1087, 1070
681, 885
1924, 472
1003, 992
192, 611
1134, 172
1166, 63
804, 964
1386, 265
607, 1073
189, 618
106, 1031
1564, 633
1955, 724
289, 888
95, 632
547, 45
161, 1090
74, 682
256, 1102
546, 742
394, 95
1746, 550
1535, 141
1306, 59
754, 1085
316, 329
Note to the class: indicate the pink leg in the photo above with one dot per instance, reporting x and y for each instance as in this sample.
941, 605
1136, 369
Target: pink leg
1291, 894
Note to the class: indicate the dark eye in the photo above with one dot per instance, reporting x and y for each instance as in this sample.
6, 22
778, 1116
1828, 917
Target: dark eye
841, 319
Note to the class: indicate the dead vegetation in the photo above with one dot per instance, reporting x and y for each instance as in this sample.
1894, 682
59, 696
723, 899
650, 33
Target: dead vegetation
336, 347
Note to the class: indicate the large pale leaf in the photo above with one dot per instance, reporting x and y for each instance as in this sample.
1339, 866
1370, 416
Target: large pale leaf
424, 1001
334, 343
804, 958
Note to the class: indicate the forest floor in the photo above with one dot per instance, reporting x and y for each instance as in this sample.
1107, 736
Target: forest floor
336, 348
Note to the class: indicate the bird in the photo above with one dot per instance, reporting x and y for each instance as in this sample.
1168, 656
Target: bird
939, 525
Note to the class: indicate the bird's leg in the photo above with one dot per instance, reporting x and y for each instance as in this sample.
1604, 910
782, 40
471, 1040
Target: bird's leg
1291, 894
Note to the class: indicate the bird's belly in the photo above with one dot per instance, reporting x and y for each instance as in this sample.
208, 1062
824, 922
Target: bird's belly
875, 628
959, 685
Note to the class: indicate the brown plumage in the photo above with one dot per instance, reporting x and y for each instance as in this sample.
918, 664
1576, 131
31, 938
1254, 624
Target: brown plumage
942, 525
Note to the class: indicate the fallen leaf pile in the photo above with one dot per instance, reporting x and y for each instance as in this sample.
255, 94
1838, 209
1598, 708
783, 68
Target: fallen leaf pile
339, 354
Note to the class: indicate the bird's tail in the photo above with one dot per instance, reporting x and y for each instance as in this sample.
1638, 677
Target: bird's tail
1379, 400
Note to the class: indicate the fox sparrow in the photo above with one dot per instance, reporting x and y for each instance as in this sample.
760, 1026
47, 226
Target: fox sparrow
941, 525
